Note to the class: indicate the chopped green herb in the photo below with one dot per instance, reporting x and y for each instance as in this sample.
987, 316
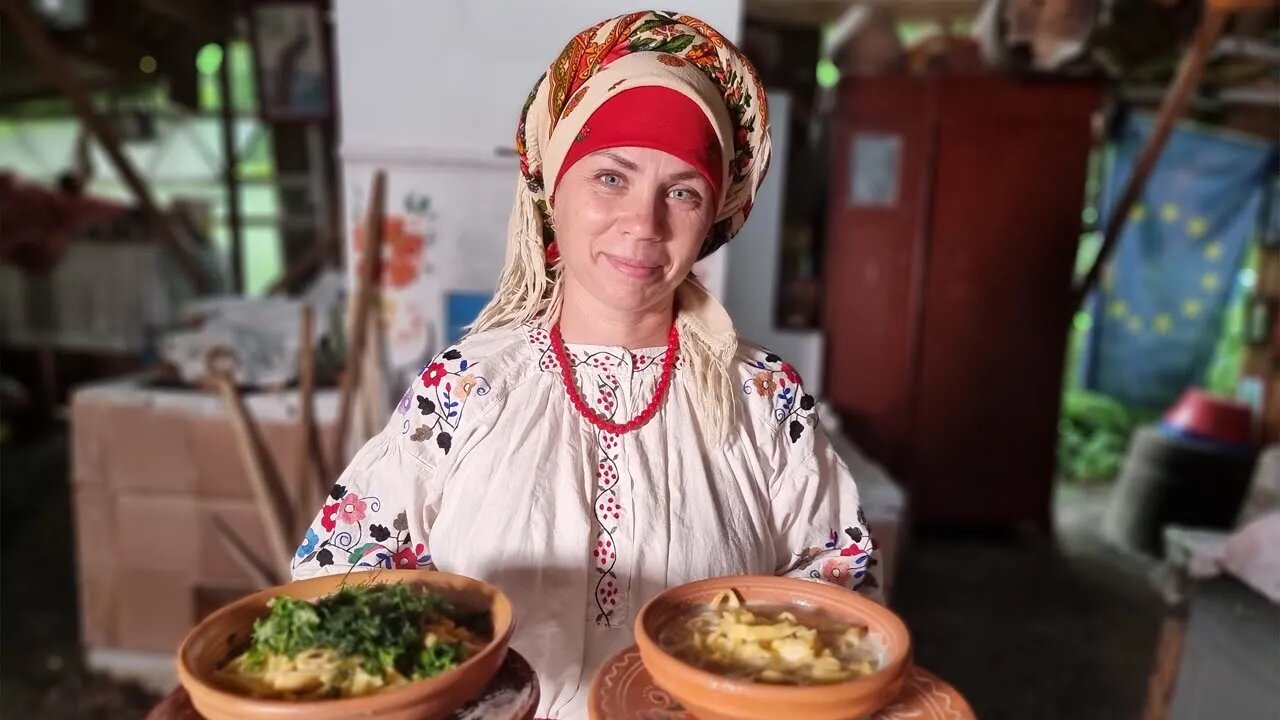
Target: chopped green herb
382, 624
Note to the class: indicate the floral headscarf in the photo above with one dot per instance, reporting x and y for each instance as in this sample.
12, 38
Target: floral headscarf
663, 49
650, 48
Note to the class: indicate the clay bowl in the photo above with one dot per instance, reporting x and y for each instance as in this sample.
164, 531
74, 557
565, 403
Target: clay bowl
227, 632
713, 697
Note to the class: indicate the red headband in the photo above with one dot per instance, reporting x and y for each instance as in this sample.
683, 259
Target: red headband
652, 117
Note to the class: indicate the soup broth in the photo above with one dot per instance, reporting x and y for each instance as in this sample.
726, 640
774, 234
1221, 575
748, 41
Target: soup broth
770, 643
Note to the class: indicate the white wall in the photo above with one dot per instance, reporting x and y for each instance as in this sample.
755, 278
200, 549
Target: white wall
751, 287
454, 74
431, 92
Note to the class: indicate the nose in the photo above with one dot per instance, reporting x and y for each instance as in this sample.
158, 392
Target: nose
645, 216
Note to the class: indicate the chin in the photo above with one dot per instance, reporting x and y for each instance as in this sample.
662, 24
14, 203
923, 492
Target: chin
631, 296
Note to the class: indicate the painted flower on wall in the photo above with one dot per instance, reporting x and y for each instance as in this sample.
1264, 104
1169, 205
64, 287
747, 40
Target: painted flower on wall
404, 244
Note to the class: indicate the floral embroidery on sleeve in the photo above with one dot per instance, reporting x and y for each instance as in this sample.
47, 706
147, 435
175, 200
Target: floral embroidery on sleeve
845, 564
353, 537
780, 383
440, 397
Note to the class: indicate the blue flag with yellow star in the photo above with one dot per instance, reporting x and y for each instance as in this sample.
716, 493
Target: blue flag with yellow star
1158, 311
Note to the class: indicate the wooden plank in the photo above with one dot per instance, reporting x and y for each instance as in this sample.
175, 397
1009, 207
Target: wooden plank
1271, 408
1239, 5
271, 498
1263, 361
816, 13
1164, 671
1174, 105
311, 461
230, 179
205, 19
361, 314
263, 574
305, 265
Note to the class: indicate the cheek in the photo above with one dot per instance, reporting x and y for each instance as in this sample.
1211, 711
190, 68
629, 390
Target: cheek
691, 234
577, 234
577, 221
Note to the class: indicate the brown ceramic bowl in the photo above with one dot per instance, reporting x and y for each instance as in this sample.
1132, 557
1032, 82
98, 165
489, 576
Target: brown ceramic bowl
714, 697
227, 632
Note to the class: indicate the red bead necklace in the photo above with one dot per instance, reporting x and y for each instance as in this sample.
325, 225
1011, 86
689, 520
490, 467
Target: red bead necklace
635, 423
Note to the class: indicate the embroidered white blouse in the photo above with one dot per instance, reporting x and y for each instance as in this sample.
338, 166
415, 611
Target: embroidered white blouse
487, 470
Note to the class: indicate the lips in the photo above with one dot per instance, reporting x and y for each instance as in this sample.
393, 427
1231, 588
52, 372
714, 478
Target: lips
639, 269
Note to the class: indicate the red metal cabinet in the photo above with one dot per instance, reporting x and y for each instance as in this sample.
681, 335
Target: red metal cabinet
954, 218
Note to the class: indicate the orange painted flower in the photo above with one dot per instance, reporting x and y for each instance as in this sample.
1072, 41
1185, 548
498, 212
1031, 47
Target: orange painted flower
399, 272
402, 242
402, 251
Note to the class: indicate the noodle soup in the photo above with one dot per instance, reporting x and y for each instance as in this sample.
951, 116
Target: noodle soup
358, 641
770, 643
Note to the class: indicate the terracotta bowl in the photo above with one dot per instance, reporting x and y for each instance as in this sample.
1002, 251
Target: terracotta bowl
713, 697
228, 631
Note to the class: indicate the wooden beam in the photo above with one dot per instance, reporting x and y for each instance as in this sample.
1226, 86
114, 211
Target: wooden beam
230, 178
816, 13
55, 68
1175, 102
1163, 678
269, 493
362, 312
203, 19
315, 480
264, 574
314, 259
1229, 6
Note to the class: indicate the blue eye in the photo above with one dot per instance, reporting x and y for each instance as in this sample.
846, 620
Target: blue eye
684, 194
611, 180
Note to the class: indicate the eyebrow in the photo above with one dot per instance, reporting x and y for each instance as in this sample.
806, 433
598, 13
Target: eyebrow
628, 165
625, 163
685, 175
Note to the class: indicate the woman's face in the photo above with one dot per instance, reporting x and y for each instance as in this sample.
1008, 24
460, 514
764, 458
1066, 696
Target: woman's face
629, 224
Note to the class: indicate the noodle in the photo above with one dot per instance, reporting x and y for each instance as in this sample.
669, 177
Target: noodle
774, 647
304, 651
309, 675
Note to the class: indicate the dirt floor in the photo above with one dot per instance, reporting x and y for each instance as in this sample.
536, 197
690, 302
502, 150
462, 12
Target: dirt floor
1026, 628
1030, 629
41, 674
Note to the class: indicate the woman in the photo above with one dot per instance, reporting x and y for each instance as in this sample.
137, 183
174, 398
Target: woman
601, 434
